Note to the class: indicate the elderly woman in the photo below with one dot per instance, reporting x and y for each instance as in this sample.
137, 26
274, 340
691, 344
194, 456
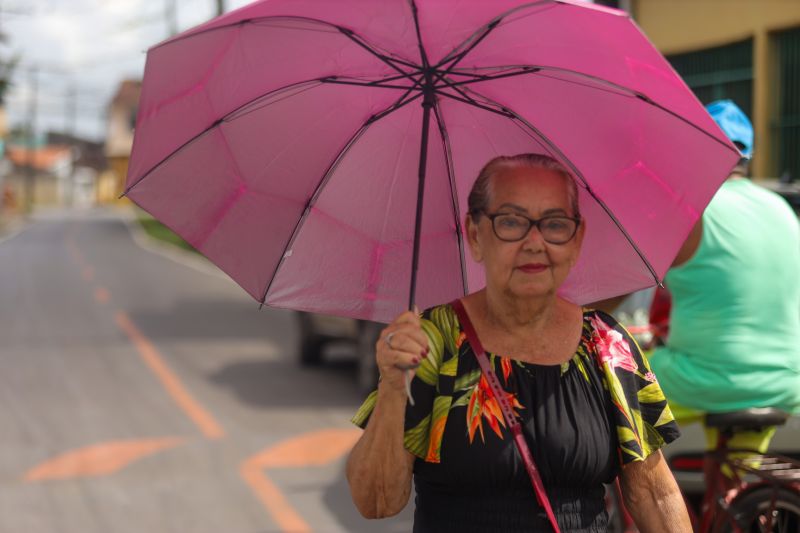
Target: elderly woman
589, 406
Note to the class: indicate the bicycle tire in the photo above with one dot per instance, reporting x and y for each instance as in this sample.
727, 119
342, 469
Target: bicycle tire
749, 510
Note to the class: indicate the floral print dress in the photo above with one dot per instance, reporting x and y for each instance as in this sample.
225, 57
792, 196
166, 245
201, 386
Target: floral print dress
583, 420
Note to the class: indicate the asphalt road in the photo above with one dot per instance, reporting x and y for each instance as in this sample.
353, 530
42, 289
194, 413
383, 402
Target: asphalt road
139, 393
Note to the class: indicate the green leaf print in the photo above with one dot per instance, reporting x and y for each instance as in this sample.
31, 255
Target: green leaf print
450, 367
651, 394
428, 370
446, 321
467, 381
463, 400
366, 409
416, 439
665, 417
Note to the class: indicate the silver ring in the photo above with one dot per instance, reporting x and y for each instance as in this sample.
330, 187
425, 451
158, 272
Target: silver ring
389, 340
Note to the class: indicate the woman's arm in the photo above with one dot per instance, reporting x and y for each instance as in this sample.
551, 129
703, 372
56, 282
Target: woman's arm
379, 469
652, 496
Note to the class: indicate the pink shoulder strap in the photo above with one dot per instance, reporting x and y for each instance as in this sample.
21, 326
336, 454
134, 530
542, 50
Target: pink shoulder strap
508, 414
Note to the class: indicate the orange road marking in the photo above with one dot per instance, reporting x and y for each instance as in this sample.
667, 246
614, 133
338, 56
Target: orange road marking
99, 459
88, 273
312, 449
196, 413
272, 498
101, 295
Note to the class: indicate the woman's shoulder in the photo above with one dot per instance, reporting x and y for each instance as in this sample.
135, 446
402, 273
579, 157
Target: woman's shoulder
598, 319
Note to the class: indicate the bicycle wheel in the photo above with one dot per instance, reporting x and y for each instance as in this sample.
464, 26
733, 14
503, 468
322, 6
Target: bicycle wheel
752, 511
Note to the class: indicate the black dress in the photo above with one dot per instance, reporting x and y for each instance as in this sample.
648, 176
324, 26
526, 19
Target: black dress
582, 420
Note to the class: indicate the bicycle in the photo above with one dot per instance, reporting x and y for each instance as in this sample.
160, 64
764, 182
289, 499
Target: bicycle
762, 494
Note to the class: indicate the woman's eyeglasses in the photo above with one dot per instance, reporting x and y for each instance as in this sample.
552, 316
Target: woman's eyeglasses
511, 227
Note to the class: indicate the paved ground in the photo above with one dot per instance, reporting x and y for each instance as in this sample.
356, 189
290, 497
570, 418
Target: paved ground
139, 394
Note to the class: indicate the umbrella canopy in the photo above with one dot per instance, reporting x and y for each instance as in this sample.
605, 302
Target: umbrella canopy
309, 147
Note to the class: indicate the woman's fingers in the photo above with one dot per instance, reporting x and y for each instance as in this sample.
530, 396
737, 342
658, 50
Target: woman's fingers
401, 348
407, 339
408, 317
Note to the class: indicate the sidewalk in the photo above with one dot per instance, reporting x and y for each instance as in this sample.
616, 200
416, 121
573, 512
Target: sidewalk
10, 224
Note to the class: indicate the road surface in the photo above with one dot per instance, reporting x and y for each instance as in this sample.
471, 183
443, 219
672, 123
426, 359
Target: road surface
139, 393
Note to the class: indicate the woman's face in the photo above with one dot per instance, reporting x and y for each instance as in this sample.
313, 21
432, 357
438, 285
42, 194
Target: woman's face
529, 267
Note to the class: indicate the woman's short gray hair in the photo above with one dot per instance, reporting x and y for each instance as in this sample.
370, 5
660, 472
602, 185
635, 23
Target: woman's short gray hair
478, 200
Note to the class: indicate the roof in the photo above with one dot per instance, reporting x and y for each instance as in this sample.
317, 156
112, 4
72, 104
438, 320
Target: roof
44, 158
127, 94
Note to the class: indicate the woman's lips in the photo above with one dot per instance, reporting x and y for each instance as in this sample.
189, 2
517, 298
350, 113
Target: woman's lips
532, 268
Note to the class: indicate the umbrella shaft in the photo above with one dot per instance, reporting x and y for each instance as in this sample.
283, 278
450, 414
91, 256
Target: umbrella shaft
423, 163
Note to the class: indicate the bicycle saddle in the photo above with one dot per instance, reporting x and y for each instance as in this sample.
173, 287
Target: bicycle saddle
755, 417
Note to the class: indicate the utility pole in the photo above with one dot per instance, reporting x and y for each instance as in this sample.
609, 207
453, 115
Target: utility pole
30, 178
71, 110
171, 13
220, 7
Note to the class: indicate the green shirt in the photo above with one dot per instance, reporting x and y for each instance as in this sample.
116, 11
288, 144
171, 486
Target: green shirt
734, 338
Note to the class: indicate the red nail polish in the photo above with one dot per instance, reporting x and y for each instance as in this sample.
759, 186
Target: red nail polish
415, 360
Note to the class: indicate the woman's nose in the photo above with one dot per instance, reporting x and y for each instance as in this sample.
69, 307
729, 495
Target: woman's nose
534, 241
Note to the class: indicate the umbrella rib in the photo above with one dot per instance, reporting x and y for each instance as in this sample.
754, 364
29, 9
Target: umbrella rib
381, 84
533, 69
312, 200
541, 137
493, 23
326, 177
312, 84
461, 55
423, 56
476, 104
402, 102
350, 34
453, 193
479, 78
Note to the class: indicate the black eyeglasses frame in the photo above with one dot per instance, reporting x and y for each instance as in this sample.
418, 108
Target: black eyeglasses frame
531, 223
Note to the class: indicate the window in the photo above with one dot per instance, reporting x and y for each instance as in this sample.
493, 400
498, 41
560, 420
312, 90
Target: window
719, 72
786, 126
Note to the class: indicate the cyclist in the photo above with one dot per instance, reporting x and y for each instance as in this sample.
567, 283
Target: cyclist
734, 338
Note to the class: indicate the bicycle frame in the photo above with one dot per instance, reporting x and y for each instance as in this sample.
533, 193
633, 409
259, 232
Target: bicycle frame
721, 492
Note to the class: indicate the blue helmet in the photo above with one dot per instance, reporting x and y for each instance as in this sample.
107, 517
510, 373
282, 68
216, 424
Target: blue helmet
734, 123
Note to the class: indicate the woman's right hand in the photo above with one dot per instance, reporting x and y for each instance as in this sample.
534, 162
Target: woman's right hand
400, 348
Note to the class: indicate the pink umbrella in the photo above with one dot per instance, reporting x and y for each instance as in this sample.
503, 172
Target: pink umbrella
293, 144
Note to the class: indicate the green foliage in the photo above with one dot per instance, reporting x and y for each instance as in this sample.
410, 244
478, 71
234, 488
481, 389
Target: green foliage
159, 231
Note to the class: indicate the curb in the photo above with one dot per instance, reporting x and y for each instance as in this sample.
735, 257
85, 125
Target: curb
11, 228
168, 251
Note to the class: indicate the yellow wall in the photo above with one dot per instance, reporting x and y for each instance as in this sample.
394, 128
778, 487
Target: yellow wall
684, 25
677, 26
111, 184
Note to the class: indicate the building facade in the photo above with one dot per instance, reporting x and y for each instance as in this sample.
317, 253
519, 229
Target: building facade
745, 50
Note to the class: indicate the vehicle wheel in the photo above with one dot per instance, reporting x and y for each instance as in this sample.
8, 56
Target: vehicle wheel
310, 342
367, 371
753, 510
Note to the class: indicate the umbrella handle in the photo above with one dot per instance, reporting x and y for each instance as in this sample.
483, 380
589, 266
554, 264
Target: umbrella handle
407, 376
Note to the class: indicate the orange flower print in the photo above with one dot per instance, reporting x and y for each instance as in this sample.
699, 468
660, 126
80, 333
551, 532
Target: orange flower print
461, 338
505, 363
483, 404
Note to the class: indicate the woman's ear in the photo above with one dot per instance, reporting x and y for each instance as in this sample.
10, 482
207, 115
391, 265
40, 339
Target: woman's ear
472, 239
